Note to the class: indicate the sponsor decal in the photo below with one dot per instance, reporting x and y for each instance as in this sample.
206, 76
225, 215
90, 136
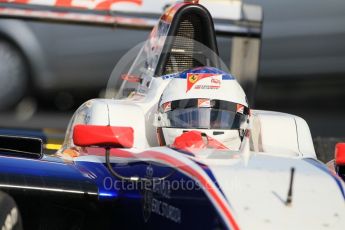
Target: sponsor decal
147, 196
206, 87
166, 210
205, 80
192, 78
169, 76
215, 81
147, 205
151, 204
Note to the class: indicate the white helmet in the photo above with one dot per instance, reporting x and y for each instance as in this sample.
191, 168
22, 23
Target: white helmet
207, 100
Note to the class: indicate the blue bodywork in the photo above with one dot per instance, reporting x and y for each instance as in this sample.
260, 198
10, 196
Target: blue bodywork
130, 205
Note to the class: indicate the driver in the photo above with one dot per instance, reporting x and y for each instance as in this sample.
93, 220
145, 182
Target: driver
202, 108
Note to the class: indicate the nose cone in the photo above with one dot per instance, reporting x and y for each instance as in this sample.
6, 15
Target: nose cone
258, 193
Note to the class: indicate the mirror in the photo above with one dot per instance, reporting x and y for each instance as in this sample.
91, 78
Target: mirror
103, 136
340, 154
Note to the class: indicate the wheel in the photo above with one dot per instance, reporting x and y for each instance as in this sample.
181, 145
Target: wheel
9, 213
13, 75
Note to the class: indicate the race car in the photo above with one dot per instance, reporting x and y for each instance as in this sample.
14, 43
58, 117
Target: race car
177, 147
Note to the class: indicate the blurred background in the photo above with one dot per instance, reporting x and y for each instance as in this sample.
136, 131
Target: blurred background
47, 69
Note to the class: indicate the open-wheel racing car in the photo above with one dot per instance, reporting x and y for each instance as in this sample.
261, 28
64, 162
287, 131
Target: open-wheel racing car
178, 147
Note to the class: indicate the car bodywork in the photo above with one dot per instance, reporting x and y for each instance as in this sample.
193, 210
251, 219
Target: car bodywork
273, 182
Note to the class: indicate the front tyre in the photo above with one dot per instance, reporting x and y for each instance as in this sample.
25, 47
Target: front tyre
9, 213
13, 75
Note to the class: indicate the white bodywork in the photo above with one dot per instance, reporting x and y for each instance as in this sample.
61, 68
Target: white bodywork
255, 183
257, 193
272, 132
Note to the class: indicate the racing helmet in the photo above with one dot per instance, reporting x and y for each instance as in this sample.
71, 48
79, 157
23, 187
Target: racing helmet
203, 99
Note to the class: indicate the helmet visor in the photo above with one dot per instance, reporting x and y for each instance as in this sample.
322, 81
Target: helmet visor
204, 118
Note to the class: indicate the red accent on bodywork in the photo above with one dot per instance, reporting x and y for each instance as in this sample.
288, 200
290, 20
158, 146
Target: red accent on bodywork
99, 151
130, 78
109, 136
202, 180
213, 143
106, 5
103, 5
17, 1
97, 5
189, 140
340, 154
211, 189
169, 14
63, 3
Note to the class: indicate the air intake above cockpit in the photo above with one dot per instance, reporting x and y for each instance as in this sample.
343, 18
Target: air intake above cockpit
193, 41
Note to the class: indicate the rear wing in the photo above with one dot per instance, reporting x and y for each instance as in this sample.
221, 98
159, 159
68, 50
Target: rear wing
232, 18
